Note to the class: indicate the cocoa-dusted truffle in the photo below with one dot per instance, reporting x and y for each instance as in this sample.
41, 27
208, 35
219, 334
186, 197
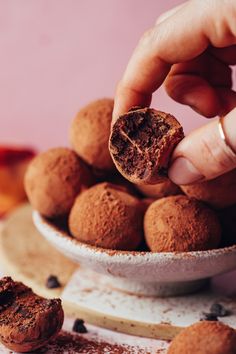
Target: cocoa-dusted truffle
180, 224
27, 321
218, 193
142, 142
107, 217
205, 338
54, 179
160, 190
89, 134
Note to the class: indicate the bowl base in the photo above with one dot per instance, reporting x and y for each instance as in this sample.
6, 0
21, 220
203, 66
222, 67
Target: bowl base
158, 289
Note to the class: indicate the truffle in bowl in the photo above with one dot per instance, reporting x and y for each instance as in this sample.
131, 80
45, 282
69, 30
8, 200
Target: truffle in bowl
106, 216
145, 273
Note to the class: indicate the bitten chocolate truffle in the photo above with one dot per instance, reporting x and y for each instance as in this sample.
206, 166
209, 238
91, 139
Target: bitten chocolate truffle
89, 134
180, 224
218, 193
205, 338
107, 217
54, 179
141, 144
160, 190
27, 321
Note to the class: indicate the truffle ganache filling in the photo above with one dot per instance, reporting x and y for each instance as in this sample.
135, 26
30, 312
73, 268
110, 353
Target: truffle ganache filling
136, 139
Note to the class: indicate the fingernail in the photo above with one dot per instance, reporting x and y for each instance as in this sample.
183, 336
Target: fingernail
182, 171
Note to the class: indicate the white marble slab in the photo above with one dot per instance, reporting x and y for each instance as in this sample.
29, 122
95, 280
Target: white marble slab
93, 291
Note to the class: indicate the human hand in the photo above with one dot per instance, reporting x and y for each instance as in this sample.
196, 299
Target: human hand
190, 49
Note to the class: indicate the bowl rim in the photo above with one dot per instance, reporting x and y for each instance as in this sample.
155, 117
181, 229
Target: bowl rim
42, 222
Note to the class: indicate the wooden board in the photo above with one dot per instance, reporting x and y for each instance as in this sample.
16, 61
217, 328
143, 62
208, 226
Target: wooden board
27, 257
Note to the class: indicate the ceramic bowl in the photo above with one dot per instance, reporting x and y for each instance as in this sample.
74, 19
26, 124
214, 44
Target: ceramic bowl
144, 273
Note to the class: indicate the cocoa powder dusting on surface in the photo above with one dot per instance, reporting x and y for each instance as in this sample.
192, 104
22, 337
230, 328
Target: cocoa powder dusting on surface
75, 344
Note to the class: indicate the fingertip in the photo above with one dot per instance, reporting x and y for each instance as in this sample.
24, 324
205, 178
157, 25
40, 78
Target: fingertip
127, 97
182, 171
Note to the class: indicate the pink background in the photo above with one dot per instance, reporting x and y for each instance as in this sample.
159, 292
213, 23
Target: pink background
57, 55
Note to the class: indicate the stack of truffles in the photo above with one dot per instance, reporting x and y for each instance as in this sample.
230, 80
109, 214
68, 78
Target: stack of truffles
112, 186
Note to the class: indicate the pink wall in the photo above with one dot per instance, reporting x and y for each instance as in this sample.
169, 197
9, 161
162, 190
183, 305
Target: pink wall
57, 55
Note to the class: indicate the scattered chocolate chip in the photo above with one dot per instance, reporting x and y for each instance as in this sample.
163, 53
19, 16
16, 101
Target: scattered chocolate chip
53, 282
79, 326
208, 317
219, 310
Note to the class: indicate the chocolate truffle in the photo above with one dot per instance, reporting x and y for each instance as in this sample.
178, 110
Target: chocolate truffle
54, 179
89, 134
141, 144
160, 190
228, 223
218, 193
205, 338
27, 321
106, 216
180, 224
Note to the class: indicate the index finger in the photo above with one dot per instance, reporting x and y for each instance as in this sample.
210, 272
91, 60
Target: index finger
180, 37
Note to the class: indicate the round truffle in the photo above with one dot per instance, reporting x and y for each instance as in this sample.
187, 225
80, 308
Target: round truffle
206, 337
141, 144
160, 190
89, 134
106, 216
54, 179
180, 224
218, 193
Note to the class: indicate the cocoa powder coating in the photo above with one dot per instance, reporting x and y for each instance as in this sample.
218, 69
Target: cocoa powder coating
89, 134
141, 144
205, 338
106, 216
27, 321
218, 193
181, 224
54, 179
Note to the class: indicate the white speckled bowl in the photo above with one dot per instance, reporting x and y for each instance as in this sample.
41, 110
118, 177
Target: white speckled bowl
144, 273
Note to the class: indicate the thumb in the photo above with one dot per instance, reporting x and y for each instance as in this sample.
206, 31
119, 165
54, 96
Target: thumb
204, 154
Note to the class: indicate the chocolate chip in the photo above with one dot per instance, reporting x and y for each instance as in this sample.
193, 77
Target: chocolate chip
79, 326
208, 317
219, 310
53, 282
